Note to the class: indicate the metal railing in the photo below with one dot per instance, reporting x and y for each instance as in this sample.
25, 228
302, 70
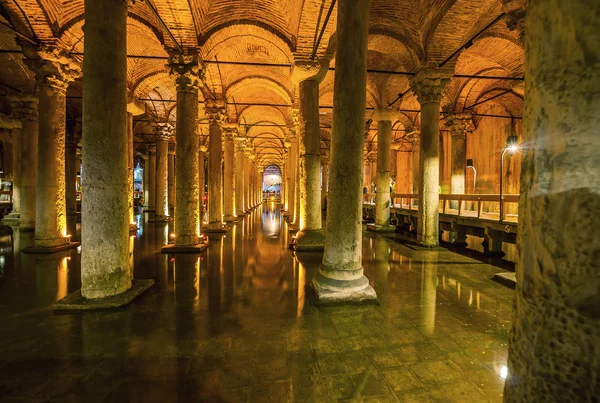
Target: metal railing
462, 205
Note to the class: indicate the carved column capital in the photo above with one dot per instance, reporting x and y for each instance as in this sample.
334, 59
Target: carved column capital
151, 149
52, 66
163, 131
24, 107
429, 84
515, 11
215, 111
230, 131
315, 70
187, 70
459, 124
385, 114
172, 147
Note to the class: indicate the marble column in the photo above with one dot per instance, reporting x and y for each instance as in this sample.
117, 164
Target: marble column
324, 180
310, 236
291, 172
229, 174
428, 85
171, 176
340, 277
130, 167
247, 165
105, 269
202, 177
187, 73
71, 170
415, 154
163, 133
384, 117
151, 166
240, 145
459, 125
215, 111
296, 184
554, 352
17, 136
259, 185
53, 78
25, 107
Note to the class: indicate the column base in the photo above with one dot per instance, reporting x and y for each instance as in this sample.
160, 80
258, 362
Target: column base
12, 218
332, 291
215, 228
231, 219
173, 249
244, 214
75, 302
133, 228
50, 249
149, 210
309, 241
160, 219
381, 228
292, 229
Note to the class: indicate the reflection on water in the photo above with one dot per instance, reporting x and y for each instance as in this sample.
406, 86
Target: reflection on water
240, 315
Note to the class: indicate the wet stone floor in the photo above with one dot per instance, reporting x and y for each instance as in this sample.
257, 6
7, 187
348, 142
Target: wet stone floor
238, 324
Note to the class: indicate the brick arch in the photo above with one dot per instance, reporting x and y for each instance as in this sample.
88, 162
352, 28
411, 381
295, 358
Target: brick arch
260, 84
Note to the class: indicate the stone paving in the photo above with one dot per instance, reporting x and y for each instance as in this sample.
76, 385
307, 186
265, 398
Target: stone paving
239, 324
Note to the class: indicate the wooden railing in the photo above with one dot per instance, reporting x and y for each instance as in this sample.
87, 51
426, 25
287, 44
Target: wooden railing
459, 204
5, 197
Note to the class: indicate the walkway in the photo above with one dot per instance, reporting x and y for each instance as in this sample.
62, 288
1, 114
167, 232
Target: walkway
237, 324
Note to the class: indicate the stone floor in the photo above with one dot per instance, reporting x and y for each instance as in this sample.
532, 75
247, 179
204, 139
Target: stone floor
238, 324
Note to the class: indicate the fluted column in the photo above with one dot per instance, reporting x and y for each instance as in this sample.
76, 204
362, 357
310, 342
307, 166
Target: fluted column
53, 77
384, 118
341, 277
187, 73
428, 85
240, 145
25, 107
105, 268
215, 111
163, 133
229, 174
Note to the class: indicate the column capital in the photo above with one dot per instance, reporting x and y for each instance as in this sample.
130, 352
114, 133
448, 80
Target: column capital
172, 147
515, 11
203, 148
24, 106
163, 131
371, 158
240, 143
151, 149
459, 124
188, 71
429, 84
385, 114
215, 111
230, 131
52, 66
295, 120
304, 70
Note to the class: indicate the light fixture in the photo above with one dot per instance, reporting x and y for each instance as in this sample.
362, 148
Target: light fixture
512, 146
470, 165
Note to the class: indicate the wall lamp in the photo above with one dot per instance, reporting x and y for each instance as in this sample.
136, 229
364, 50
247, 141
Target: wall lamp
512, 146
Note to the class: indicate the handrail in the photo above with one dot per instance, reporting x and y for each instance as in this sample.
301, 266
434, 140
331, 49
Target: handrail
446, 208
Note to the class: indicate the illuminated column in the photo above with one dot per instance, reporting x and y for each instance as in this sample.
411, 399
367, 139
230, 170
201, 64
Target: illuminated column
415, 153
171, 190
15, 126
384, 118
428, 85
240, 145
229, 173
151, 167
259, 184
130, 178
25, 107
71, 178
215, 112
554, 352
53, 78
340, 277
324, 179
202, 176
163, 133
459, 125
247, 185
291, 173
187, 73
105, 269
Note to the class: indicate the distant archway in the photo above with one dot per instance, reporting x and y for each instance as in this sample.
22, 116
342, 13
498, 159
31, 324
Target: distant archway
272, 182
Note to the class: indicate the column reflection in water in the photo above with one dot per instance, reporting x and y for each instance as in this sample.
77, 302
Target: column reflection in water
381, 265
227, 269
300, 286
214, 263
161, 262
429, 282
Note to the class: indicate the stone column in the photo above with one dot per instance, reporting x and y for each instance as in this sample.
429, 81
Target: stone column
229, 174
415, 154
247, 166
259, 185
324, 180
554, 350
171, 176
428, 85
291, 172
202, 177
53, 77
384, 118
130, 167
240, 145
187, 73
341, 278
163, 133
151, 179
105, 269
296, 184
25, 107
310, 236
71, 170
215, 111
17, 135
459, 124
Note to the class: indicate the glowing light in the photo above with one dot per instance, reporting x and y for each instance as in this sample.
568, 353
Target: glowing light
504, 372
513, 148
172, 235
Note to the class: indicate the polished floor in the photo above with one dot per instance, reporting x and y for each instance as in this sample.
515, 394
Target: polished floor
238, 324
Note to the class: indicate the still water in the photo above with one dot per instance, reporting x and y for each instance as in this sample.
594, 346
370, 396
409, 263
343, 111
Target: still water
238, 323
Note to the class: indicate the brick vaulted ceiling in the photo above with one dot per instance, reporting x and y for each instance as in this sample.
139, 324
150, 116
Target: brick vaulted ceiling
404, 34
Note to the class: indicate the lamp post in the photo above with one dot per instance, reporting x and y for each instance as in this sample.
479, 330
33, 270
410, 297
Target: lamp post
512, 146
